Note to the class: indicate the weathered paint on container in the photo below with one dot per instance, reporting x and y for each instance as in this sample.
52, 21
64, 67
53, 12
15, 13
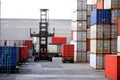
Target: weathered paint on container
100, 16
114, 46
97, 61
100, 4
118, 29
79, 36
112, 64
114, 16
114, 31
59, 40
100, 46
100, 31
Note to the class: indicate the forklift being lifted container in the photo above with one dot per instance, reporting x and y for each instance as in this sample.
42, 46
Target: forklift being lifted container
43, 35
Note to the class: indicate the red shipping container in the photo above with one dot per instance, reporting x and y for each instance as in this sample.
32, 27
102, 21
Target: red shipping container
100, 4
67, 50
23, 53
88, 44
118, 26
59, 40
29, 44
112, 67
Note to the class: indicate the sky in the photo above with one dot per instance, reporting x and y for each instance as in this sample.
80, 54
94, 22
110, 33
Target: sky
29, 9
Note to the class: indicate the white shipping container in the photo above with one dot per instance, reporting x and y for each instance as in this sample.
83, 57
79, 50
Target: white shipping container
96, 46
114, 31
97, 61
84, 56
88, 56
100, 31
79, 25
111, 4
91, 2
118, 44
2, 43
79, 46
79, 15
52, 49
79, 36
21, 42
10, 43
114, 46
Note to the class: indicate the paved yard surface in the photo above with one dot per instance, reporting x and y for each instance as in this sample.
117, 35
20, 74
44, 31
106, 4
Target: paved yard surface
55, 70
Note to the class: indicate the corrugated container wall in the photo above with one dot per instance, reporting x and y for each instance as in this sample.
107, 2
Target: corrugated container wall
118, 44
100, 46
79, 36
100, 16
97, 61
100, 4
112, 67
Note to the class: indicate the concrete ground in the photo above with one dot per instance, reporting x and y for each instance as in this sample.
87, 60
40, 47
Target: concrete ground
55, 70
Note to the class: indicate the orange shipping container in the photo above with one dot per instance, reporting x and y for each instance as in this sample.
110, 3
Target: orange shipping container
118, 26
100, 4
28, 43
112, 67
68, 52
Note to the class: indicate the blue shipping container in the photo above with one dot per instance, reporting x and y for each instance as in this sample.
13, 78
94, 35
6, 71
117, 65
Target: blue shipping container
9, 56
100, 16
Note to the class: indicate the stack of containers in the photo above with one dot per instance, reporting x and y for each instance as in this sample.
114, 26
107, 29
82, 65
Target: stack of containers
103, 32
90, 8
118, 38
79, 31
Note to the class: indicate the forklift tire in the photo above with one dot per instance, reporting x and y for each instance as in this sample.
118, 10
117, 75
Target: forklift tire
72, 61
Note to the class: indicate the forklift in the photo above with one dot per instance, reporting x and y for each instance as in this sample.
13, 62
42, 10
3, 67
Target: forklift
43, 35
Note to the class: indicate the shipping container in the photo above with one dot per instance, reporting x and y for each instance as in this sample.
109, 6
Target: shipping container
112, 65
100, 46
2, 43
100, 16
90, 8
80, 56
79, 16
88, 21
114, 15
114, 46
67, 53
80, 46
79, 25
10, 43
111, 4
118, 28
91, 2
88, 33
8, 56
88, 56
118, 44
100, 31
100, 4
97, 61
28, 43
71, 34
59, 40
23, 53
52, 49
79, 36
82, 5
88, 44
114, 31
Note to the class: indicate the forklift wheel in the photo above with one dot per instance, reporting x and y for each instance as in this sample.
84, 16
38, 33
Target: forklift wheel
72, 61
